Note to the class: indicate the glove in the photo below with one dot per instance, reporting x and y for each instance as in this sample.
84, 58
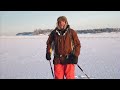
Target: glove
48, 56
72, 59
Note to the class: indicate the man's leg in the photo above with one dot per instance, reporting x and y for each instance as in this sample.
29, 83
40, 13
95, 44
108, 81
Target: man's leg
70, 71
59, 71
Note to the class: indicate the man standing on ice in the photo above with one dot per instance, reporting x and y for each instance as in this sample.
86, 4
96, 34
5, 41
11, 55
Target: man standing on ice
66, 49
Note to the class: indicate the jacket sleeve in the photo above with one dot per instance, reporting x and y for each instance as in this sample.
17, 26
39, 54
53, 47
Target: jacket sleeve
49, 43
77, 44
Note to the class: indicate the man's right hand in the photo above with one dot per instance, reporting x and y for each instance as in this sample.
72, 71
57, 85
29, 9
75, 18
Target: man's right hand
48, 56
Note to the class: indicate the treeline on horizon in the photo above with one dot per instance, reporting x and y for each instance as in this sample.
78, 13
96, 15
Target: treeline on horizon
92, 31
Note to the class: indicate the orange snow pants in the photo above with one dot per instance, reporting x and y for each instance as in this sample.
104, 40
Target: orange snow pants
67, 70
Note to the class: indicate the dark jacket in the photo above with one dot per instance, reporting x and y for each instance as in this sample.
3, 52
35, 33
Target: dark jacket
60, 40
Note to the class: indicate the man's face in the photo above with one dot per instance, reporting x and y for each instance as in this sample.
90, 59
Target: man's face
61, 24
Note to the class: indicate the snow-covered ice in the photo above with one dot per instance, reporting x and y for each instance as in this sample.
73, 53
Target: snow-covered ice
23, 57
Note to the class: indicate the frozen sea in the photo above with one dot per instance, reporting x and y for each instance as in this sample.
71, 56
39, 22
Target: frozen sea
23, 57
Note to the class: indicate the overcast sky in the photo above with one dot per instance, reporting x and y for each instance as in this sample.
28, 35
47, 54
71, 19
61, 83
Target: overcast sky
12, 22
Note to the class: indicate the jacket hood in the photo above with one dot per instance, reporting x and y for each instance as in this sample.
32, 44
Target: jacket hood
60, 19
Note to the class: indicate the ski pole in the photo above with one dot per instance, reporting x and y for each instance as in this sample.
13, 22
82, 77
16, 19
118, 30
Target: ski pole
51, 70
82, 71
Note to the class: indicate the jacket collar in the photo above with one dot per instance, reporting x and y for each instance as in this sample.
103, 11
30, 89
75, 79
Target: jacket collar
62, 32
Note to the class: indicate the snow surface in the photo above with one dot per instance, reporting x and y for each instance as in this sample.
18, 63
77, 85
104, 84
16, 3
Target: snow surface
23, 57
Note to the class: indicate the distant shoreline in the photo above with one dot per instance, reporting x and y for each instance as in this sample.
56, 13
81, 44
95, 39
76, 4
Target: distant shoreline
92, 31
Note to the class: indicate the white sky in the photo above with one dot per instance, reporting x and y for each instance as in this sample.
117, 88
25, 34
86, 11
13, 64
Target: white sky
12, 22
